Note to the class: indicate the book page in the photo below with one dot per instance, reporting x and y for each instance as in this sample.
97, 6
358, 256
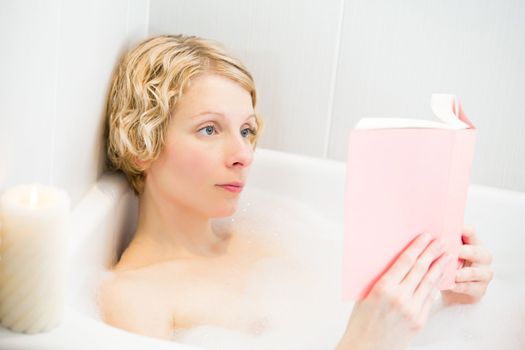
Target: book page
444, 106
393, 123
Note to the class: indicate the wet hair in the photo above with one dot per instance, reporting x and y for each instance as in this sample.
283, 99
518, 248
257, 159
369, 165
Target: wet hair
147, 84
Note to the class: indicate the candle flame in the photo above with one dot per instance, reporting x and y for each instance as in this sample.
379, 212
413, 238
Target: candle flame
33, 197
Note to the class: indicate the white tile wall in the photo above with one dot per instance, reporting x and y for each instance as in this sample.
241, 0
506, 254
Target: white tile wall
394, 54
319, 67
322, 65
56, 68
28, 39
289, 46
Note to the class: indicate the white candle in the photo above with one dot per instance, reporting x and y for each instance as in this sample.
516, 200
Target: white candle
32, 257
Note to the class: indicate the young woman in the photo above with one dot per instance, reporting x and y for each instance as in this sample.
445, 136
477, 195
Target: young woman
183, 129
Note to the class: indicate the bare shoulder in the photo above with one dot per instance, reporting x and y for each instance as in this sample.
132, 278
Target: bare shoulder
128, 303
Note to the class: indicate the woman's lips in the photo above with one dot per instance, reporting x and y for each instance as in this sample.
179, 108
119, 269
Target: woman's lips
231, 188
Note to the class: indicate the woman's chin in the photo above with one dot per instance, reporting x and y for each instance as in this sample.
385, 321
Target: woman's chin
224, 211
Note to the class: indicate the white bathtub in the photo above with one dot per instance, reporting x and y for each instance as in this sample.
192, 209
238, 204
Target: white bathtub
106, 212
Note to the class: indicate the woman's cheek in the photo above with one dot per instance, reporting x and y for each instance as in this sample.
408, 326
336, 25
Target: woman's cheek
197, 164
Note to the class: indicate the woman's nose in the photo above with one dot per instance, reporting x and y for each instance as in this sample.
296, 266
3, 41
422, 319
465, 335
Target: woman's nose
240, 152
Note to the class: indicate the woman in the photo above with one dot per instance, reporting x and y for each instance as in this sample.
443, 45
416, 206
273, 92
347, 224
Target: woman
183, 128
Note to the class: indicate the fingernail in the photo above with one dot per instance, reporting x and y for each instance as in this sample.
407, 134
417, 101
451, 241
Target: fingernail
461, 263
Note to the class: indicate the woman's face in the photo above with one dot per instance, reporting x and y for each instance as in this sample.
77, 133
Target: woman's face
209, 143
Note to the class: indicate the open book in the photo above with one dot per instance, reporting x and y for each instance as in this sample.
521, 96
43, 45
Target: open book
404, 177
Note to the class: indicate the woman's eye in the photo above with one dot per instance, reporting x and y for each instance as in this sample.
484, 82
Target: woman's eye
248, 131
208, 129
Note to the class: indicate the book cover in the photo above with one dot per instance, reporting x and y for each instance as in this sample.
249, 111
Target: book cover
404, 177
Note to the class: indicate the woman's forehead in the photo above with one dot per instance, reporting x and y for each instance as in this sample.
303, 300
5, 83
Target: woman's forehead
220, 114
214, 85
216, 95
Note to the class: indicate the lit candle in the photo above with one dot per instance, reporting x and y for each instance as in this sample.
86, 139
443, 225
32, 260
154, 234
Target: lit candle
32, 252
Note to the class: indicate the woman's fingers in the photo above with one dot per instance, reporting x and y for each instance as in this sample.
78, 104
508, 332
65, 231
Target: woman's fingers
472, 289
473, 274
400, 268
431, 279
469, 235
420, 268
475, 254
472, 252
473, 278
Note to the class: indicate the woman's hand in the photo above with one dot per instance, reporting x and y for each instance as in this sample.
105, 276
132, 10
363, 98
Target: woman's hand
475, 274
398, 305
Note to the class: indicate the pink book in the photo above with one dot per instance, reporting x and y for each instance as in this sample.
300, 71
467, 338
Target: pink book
404, 177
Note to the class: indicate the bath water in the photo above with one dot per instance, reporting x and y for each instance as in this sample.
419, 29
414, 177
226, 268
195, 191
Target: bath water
300, 293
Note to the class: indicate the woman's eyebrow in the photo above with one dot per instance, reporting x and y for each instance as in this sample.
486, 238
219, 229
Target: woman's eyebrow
218, 114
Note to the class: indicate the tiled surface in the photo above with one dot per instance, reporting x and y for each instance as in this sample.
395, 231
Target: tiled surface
395, 55
388, 57
28, 32
89, 46
289, 47
319, 67
56, 70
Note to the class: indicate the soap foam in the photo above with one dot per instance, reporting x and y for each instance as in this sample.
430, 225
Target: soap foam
298, 293
301, 292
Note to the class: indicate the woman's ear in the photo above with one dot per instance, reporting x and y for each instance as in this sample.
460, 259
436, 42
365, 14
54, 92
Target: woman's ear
141, 164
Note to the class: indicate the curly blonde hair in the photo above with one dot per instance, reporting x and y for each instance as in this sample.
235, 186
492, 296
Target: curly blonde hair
149, 81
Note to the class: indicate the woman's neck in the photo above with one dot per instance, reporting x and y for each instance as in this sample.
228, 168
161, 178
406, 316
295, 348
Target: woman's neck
168, 231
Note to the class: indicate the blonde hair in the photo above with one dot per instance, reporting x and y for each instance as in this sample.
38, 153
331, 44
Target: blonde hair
149, 81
